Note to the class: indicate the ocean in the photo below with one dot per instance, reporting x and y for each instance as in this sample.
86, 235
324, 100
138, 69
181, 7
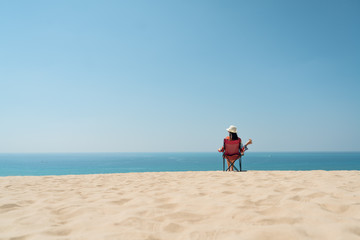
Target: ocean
37, 164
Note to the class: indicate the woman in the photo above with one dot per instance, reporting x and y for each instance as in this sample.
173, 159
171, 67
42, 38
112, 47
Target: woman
234, 137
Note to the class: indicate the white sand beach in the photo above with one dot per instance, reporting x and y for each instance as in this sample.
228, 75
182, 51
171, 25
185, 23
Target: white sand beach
182, 205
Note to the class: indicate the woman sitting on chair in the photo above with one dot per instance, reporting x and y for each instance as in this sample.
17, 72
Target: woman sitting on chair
234, 137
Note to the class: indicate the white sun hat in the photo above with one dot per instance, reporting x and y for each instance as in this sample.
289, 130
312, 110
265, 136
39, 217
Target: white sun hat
232, 129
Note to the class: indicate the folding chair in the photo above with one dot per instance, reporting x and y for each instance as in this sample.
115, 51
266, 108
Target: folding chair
232, 152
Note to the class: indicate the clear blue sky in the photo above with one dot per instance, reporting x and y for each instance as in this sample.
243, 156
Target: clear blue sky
163, 76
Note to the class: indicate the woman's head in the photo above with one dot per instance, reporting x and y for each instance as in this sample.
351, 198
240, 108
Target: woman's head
233, 136
232, 132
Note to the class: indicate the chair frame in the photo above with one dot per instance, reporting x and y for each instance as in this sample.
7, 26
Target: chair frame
233, 152
232, 164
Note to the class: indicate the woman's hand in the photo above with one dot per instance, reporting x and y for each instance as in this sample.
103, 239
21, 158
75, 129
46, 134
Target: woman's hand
249, 142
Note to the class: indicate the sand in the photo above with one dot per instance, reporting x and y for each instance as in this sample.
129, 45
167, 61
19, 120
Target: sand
182, 205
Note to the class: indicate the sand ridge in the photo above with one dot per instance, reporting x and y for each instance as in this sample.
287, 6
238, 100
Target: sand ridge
182, 205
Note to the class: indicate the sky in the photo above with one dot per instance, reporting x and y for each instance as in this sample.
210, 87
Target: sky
171, 76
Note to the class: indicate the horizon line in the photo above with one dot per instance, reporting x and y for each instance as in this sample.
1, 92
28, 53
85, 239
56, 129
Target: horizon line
317, 151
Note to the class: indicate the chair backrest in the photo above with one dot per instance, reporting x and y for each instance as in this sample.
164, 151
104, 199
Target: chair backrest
232, 147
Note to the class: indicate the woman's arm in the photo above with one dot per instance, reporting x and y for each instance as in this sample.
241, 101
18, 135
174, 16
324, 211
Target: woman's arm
244, 148
221, 149
248, 142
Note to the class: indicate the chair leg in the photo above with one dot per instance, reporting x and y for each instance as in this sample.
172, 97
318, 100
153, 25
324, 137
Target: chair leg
236, 169
223, 163
228, 168
233, 165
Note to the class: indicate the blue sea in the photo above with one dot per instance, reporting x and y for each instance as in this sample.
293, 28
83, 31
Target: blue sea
37, 164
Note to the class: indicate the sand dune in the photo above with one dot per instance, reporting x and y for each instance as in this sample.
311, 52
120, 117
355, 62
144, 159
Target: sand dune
182, 205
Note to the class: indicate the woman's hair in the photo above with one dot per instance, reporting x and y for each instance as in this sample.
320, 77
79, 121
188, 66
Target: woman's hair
233, 136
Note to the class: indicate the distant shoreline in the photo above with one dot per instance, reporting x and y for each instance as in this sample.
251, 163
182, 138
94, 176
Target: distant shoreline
215, 151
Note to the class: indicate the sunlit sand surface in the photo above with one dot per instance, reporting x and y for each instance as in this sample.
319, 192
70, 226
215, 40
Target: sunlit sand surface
182, 205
